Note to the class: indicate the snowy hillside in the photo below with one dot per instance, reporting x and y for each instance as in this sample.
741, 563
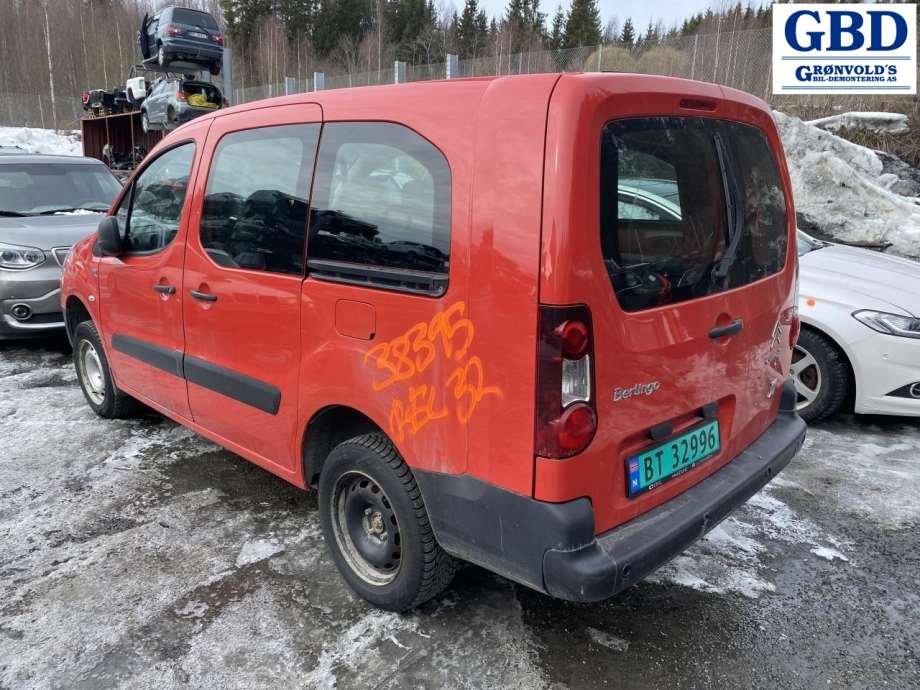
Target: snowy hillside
842, 189
34, 140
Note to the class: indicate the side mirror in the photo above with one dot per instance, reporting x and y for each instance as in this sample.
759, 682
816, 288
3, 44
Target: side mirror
109, 237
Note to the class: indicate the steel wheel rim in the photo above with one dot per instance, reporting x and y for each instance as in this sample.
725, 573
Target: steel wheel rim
366, 529
806, 375
91, 372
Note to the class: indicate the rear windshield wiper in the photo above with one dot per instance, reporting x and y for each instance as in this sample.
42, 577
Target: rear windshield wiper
733, 211
13, 214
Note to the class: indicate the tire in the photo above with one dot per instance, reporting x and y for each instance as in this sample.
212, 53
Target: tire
95, 377
215, 67
171, 116
821, 376
145, 122
376, 527
162, 59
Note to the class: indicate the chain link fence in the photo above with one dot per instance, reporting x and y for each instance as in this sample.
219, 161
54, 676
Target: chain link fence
739, 59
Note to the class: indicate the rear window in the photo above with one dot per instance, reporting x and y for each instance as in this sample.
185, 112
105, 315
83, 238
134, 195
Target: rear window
193, 18
689, 207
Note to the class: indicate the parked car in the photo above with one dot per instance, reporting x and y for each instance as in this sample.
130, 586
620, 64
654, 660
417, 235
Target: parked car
535, 394
104, 102
860, 337
180, 37
136, 90
170, 102
46, 204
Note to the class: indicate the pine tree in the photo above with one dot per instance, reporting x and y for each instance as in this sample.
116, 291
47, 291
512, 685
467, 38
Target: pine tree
557, 33
583, 27
471, 29
628, 37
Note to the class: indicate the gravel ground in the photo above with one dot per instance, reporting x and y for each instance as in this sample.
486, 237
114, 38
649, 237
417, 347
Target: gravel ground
135, 554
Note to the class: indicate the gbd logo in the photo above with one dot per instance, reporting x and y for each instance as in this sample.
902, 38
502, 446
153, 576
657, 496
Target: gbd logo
846, 30
844, 48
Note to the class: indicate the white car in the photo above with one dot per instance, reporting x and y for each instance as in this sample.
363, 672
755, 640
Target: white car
860, 336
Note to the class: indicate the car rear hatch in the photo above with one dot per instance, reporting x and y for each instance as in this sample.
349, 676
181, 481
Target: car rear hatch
668, 214
199, 94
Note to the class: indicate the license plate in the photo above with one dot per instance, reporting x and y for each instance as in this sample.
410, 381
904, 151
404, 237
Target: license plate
670, 459
197, 34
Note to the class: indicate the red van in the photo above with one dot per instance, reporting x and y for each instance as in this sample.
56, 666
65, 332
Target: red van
539, 323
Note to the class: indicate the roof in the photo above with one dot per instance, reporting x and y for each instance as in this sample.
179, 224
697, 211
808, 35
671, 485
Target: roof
47, 158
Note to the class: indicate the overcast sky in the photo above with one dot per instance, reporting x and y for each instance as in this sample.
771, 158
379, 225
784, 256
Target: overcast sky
641, 11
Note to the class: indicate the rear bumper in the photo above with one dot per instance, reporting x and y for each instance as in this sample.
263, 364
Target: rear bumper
552, 548
190, 49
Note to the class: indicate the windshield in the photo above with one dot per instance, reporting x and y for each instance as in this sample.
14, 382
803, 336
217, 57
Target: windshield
31, 189
193, 18
689, 207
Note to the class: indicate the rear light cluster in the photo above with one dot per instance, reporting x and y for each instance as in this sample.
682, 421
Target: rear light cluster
566, 414
173, 30
218, 39
181, 96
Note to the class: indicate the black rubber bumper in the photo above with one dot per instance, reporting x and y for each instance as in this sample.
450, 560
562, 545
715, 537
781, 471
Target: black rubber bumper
552, 548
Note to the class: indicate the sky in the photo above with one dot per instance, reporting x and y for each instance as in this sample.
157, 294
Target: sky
641, 11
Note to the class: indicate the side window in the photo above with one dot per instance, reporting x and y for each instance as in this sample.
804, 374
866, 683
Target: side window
255, 206
157, 201
381, 208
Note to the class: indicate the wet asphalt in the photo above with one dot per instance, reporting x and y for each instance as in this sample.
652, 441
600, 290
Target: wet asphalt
135, 554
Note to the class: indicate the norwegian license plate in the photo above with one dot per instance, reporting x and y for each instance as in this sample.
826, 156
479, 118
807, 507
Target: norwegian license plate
197, 34
655, 465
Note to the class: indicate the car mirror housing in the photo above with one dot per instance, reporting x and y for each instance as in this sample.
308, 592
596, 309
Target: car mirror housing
109, 237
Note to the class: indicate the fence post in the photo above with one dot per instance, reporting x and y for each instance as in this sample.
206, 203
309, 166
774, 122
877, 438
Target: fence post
453, 66
319, 81
227, 70
290, 85
399, 72
600, 51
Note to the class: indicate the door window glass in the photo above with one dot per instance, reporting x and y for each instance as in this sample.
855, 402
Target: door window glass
382, 201
157, 201
255, 207
689, 207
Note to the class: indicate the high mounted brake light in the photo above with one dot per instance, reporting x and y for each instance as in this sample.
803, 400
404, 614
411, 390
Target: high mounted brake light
566, 415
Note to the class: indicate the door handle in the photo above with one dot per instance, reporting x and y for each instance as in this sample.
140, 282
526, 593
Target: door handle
204, 296
165, 289
730, 329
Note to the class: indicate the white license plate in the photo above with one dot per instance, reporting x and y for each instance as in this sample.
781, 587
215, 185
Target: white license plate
197, 34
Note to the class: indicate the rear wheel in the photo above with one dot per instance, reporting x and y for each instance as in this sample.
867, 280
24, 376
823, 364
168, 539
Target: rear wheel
821, 376
215, 67
376, 526
145, 121
161, 56
171, 116
95, 377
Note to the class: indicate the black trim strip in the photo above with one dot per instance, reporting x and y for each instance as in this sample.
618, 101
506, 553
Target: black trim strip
240, 387
162, 358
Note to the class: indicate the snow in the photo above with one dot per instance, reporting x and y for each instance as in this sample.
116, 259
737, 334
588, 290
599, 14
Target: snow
258, 550
36, 140
842, 189
888, 123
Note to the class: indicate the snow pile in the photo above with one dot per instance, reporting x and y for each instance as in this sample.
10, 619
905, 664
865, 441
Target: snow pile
886, 123
841, 188
35, 140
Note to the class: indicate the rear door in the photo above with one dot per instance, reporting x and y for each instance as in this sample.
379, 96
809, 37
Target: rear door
682, 254
244, 267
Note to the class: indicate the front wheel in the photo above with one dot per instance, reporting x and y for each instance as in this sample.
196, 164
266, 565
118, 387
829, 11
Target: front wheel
95, 377
375, 524
821, 376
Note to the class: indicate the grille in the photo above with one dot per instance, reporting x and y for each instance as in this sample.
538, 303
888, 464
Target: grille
60, 254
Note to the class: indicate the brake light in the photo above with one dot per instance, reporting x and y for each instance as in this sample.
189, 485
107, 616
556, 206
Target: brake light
566, 415
219, 40
180, 96
795, 327
172, 30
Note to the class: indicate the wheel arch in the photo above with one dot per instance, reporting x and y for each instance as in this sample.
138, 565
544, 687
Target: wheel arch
327, 428
845, 355
75, 312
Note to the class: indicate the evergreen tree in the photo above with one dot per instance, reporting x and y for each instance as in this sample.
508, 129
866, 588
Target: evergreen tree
628, 37
557, 33
583, 27
471, 30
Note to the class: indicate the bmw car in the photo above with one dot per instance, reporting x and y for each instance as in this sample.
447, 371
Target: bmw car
47, 203
860, 339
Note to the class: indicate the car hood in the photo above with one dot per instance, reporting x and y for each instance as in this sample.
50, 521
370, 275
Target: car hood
861, 277
45, 232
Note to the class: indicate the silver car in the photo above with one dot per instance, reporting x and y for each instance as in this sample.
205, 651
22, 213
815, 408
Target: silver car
47, 203
170, 102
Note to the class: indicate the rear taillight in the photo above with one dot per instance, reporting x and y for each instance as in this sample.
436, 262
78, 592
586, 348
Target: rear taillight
566, 415
219, 40
791, 317
180, 96
172, 30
